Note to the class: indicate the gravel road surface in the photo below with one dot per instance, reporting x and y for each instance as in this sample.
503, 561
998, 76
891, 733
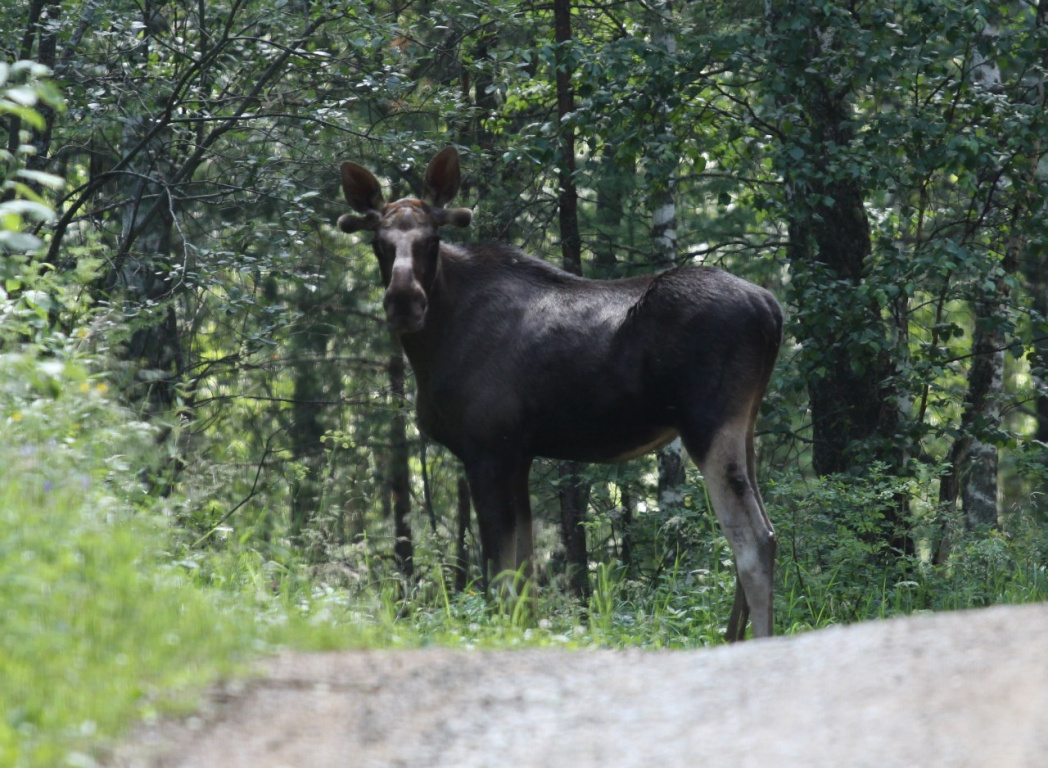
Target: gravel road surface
958, 689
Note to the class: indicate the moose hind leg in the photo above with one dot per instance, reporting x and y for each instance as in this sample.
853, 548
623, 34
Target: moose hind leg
740, 613
731, 485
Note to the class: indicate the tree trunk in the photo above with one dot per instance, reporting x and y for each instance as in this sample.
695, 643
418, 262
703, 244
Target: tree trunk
140, 273
854, 410
427, 491
829, 249
573, 491
662, 200
306, 431
986, 378
140, 276
611, 186
1036, 264
671, 475
972, 472
627, 548
568, 199
983, 412
1036, 274
664, 226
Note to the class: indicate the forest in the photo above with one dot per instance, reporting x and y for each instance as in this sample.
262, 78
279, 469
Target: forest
184, 329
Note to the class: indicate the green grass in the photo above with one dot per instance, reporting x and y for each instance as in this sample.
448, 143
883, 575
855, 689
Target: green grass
99, 624
94, 628
92, 631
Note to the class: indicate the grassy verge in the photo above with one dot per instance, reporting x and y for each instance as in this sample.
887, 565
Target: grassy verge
99, 626
91, 629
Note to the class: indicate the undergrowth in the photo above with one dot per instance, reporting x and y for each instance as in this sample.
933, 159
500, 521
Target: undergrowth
830, 571
109, 614
100, 625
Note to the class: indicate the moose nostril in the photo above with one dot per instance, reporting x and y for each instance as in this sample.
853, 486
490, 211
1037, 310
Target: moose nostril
405, 310
405, 301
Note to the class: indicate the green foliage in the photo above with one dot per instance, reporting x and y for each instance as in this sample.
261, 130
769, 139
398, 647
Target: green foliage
95, 625
99, 625
22, 88
28, 296
190, 267
832, 570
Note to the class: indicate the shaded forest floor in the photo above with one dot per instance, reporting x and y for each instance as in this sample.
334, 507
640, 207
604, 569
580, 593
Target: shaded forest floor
956, 689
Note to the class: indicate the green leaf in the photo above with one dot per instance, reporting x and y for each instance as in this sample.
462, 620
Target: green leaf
49, 180
22, 94
27, 209
25, 114
19, 241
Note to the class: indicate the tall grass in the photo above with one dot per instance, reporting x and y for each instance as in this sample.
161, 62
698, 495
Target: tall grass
97, 627
104, 617
832, 572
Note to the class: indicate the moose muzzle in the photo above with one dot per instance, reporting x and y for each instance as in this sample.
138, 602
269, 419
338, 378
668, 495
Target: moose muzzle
405, 301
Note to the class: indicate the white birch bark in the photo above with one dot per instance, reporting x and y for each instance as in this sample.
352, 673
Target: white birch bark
979, 490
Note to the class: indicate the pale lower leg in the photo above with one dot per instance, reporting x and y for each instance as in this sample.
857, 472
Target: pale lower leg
728, 473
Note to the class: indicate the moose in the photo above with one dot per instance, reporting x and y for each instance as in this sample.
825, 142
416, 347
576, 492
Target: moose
516, 359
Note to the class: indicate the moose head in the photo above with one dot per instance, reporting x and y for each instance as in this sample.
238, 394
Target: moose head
407, 233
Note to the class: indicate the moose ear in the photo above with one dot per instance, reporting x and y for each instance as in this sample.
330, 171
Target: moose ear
442, 178
456, 217
350, 223
361, 188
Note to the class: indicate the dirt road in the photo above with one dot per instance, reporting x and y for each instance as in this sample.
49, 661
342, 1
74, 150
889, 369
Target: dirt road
962, 689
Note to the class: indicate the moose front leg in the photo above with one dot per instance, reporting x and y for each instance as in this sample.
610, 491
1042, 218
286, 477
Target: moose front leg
499, 488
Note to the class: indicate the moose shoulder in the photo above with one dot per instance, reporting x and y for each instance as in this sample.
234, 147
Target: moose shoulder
515, 359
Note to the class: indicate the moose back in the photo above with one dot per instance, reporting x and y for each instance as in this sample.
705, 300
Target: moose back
514, 359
